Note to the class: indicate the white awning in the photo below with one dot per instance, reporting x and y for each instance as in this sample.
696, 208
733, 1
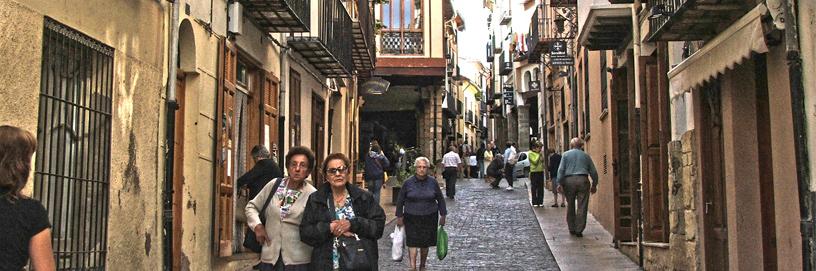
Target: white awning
723, 52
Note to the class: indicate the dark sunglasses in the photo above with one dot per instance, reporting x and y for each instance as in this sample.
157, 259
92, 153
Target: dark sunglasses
335, 171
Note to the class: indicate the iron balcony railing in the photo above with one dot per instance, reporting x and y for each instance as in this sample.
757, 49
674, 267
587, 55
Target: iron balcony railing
506, 65
279, 15
688, 20
534, 38
469, 117
402, 42
328, 46
364, 47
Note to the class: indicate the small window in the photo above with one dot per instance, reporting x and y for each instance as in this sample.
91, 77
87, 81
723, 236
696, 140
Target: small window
242, 75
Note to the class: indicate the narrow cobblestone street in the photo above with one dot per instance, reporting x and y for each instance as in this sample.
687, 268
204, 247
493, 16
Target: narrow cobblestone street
487, 230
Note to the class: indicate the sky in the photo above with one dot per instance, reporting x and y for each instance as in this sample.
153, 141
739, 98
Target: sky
473, 39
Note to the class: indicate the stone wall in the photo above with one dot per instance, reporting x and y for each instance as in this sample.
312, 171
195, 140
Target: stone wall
683, 240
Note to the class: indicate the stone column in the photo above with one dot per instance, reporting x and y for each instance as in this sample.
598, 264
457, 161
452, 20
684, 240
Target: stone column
512, 127
523, 127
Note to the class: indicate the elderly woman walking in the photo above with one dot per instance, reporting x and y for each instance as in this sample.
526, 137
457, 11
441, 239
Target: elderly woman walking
280, 235
339, 209
420, 208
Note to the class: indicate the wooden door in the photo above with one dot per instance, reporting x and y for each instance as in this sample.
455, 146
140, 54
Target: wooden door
294, 108
708, 114
621, 166
318, 134
765, 154
178, 173
226, 134
270, 112
654, 143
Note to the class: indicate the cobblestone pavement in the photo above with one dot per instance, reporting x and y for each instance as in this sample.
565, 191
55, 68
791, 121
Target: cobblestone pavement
487, 230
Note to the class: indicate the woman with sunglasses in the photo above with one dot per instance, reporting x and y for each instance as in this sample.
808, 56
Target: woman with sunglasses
420, 207
340, 209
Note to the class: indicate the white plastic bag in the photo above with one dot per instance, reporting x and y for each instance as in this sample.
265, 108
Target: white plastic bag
397, 243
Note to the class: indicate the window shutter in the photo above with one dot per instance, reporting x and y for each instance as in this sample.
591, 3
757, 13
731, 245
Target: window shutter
270, 110
227, 140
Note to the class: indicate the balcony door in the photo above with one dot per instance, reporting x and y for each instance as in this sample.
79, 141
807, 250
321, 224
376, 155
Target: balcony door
402, 22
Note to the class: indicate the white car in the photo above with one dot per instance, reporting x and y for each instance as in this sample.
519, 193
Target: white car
522, 167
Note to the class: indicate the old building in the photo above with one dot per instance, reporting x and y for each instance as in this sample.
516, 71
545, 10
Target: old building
140, 145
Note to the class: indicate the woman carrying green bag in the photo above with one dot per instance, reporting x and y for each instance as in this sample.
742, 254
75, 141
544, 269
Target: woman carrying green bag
420, 208
441, 243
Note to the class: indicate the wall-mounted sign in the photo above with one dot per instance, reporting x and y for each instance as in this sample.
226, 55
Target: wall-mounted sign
535, 86
375, 86
508, 95
559, 54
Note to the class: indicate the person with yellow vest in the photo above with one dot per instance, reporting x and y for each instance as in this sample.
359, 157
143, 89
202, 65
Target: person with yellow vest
536, 174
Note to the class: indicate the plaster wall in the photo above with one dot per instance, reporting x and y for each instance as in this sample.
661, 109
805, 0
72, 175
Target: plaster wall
137, 32
599, 145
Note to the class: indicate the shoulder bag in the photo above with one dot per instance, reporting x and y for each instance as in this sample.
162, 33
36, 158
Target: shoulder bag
353, 254
250, 240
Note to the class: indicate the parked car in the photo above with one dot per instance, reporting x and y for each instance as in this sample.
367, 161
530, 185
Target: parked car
522, 167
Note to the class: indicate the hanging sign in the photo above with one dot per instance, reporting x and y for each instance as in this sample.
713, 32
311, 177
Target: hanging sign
559, 55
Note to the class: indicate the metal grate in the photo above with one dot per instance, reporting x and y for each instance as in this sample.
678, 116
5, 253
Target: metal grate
72, 170
395, 42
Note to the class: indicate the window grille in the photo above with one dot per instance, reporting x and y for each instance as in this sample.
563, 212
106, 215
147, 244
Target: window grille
72, 168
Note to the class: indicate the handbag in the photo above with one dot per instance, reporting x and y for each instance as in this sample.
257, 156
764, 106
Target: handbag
352, 251
441, 243
250, 240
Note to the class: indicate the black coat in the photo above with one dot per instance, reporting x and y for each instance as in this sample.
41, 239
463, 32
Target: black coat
256, 178
368, 224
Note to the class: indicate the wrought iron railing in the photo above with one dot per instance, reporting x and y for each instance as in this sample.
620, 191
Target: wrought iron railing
274, 15
506, 65
367, 24
333, 30
667, 9
402, 42
72, 168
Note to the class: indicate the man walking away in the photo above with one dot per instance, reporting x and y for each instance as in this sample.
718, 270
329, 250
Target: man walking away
265, 169
452, 163
576, 166
511, 157
480, 165
375, 164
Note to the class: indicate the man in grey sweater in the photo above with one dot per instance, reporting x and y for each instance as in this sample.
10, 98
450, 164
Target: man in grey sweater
573, 181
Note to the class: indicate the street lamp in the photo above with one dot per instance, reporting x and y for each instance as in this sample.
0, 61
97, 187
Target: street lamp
559, 24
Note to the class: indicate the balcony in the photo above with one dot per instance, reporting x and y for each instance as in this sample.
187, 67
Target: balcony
607, 27
406, 42
506, 65
469, 117
279, 16
688, 20
489, 52
534, 41
327, 46
507, 17
364, 54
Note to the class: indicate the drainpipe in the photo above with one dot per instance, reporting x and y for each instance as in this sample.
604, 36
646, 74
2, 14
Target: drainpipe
806, 197
639, 186
171, 107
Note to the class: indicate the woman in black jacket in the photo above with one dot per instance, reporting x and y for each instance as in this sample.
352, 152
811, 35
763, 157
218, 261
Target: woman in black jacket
353, 211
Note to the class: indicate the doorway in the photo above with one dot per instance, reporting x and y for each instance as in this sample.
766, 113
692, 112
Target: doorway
318, 134
709, 120
621, 166
178, 173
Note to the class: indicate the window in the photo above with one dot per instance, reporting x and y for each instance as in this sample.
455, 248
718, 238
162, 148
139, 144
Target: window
294, 108
402, 20
242, 75
72, 170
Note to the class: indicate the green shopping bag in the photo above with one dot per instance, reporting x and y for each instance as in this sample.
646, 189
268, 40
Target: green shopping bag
441, 243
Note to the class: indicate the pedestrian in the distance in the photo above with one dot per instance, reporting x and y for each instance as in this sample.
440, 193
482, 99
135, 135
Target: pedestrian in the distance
511, 157
487, 157
453, 164
420, 208
473, 164
536, 174
494, 171
573, 180
265, 170
552, 169
25, 232
280, 235
340, 209
375, 165
465, 155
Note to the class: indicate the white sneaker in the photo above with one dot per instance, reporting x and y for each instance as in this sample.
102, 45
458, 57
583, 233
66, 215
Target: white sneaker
509, 188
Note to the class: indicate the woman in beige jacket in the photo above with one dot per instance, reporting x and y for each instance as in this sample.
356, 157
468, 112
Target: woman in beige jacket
280, 235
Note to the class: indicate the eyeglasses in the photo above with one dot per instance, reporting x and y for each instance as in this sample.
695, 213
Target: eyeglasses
335, 171
294, 165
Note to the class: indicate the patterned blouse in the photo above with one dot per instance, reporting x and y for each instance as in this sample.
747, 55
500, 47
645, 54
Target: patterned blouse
286, 197
341, 212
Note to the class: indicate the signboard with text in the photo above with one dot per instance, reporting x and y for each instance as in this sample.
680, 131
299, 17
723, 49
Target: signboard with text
508, 95
559, 54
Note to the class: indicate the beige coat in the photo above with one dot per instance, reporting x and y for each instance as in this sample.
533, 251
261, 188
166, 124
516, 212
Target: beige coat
283, 233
